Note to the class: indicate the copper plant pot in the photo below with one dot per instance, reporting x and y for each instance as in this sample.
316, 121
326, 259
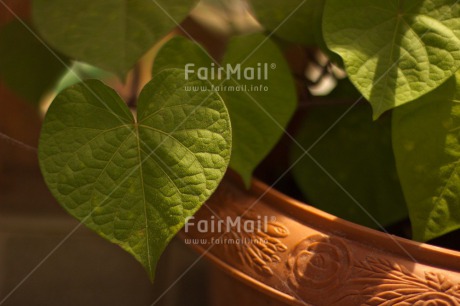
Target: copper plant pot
303, 256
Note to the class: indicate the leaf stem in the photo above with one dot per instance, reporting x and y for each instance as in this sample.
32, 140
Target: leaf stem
134, 87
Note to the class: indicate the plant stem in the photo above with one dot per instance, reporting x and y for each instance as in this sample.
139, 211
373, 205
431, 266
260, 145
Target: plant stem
134, 88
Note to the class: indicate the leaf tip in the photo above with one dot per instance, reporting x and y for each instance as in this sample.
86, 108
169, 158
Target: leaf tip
244, 173
151, 273
377, 112
247, 181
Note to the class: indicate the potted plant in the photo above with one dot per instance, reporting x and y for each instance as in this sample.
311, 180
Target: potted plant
347, 105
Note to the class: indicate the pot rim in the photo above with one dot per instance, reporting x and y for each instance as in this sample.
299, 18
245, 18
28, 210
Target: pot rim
422, 252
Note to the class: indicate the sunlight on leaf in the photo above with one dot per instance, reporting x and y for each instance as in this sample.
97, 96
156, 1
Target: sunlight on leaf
426, 142
135, 182
394, 51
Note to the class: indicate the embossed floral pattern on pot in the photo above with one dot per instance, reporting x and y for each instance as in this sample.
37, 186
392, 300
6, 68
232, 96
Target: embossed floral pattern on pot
318, 264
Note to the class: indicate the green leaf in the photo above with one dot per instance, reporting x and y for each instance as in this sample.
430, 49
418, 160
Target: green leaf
394, 51
135, 182
258, 117
296, 21
26, 65
357, 153
426, 142
110, 34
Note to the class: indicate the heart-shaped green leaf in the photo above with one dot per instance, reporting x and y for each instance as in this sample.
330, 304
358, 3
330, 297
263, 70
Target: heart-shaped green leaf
260, 108
135, 181
394, 51
426, 142
110, 34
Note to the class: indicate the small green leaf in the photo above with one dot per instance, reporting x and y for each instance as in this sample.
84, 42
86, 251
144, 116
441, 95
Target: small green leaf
26, 65
426, 142
296, 21
357, 153
135, 182
110, 34
394, 51
258, 116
